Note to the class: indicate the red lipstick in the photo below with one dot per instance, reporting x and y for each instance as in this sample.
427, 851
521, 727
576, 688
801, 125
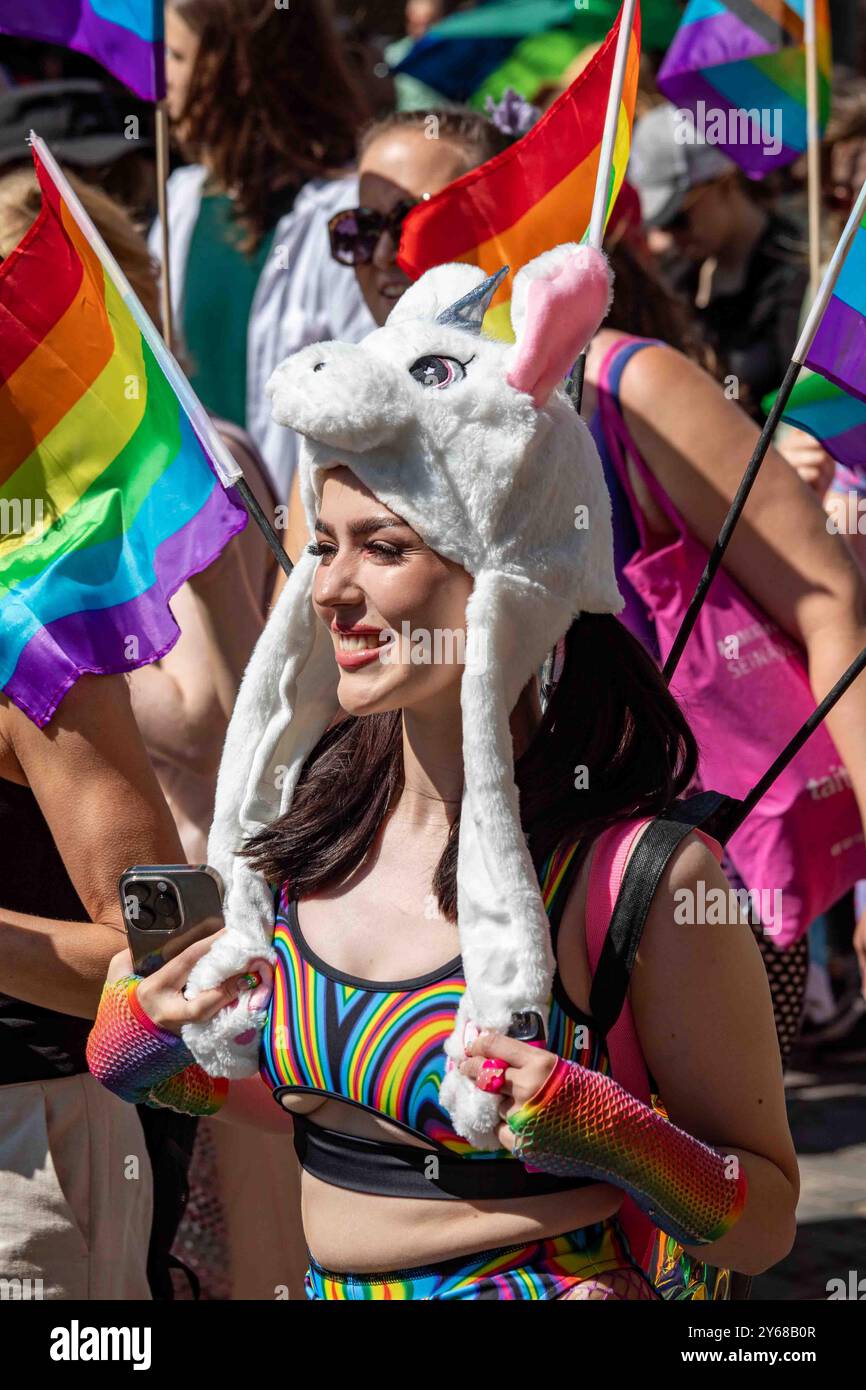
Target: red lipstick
361, 656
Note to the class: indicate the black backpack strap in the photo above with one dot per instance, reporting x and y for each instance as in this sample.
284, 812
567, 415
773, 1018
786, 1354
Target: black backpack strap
170, 1137
640, 881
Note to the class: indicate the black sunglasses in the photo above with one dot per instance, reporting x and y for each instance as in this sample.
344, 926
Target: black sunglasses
354, 233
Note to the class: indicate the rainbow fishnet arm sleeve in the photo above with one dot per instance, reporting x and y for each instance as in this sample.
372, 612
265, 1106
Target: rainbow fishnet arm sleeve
192, 1091
126, 1051
582, 1123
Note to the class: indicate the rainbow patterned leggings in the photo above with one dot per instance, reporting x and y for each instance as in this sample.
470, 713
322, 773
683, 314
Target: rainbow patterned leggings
592, 1262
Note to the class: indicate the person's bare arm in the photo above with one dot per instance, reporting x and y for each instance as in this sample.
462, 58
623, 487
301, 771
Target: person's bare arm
231, 620
95, 785
704, 1017
175, 700
258, 561
697, 444
180, 701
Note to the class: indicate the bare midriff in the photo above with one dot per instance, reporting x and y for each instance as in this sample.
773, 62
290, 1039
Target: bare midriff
351, 1231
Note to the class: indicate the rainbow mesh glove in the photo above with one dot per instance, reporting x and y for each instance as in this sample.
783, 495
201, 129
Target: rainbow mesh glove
142, 1063
582, 1123
192, 1092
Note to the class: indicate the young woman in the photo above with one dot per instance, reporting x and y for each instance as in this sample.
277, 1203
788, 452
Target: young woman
405, 809
265, 105
696, 454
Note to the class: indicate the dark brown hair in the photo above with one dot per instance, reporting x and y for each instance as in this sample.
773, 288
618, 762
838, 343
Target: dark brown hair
610, 712
271, 101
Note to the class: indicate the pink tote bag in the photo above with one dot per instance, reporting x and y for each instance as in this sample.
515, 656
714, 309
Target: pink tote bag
743, 686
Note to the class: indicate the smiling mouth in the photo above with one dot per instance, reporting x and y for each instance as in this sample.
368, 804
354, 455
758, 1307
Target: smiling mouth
357, 642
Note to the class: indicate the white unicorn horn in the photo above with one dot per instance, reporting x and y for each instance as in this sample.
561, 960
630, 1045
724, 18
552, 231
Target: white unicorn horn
468, 312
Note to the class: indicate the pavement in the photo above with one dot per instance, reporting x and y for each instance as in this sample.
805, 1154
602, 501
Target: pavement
827, 1112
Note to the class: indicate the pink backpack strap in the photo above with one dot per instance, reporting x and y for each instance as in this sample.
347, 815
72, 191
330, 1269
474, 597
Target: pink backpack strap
606, 871
607, 867
609, 857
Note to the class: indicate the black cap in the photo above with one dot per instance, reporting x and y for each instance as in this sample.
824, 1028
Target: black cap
82, 122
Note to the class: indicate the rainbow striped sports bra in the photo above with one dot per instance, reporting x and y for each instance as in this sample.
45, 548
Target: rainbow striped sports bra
380, 1045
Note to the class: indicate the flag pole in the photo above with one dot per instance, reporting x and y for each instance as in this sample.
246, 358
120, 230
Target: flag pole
813, 147
227, 468
810, 328
162, 208
605, 165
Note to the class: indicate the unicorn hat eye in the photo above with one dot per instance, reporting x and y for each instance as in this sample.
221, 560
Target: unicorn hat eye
437, 371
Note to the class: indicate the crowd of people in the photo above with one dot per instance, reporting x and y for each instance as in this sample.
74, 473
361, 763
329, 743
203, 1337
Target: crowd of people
296, 159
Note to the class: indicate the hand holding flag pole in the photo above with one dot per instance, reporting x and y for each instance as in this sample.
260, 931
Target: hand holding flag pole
227, 468
801, 354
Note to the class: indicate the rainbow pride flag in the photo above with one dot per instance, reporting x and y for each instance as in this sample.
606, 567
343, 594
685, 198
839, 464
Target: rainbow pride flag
108, 501
125, 36
536, 194
824, 410
524, 44
740, 67
838, 349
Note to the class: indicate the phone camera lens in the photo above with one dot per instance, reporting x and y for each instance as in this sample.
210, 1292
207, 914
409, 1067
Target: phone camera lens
166, 904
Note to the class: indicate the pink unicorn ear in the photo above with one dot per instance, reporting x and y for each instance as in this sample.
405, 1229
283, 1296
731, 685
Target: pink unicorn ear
559, 300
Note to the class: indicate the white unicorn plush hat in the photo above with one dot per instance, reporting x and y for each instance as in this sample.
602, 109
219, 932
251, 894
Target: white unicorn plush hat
474, 443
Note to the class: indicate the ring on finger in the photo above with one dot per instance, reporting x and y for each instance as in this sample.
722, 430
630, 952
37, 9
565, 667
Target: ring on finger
491, 1076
